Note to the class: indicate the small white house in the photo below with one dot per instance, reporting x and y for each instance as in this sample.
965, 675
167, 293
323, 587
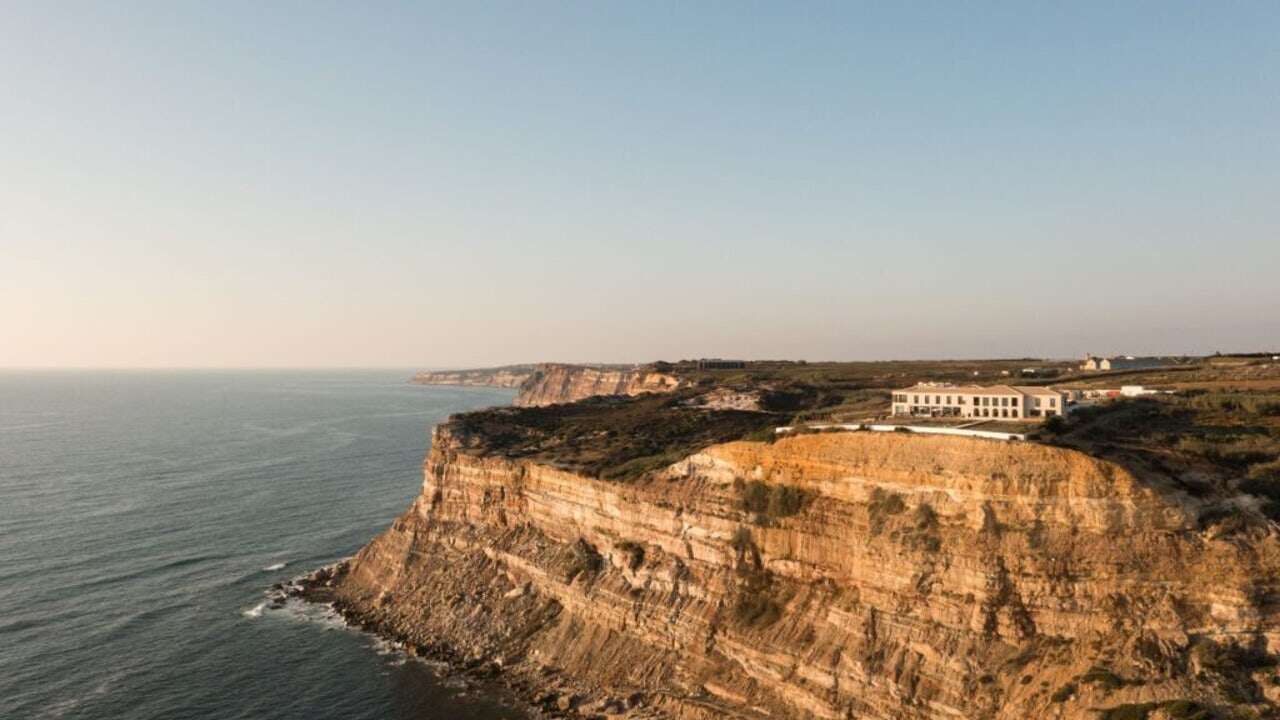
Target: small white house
1139, 391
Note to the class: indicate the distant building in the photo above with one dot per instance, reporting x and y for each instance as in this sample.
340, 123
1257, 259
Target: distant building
1040, 372
1004, 402
1139, 391
718, 364
1126, 362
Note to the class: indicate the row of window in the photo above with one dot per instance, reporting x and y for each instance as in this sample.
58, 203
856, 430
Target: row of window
960, 400
991, 412
1004, 401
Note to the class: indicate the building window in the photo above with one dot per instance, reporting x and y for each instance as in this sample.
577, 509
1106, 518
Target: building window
948, 399
1053, 402
1013, 402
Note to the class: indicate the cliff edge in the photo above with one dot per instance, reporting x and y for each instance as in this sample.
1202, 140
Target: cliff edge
558, 383
507, 376
845, 575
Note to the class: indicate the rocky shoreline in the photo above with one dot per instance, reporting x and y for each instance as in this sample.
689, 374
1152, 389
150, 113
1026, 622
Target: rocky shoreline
896, 577
544, 693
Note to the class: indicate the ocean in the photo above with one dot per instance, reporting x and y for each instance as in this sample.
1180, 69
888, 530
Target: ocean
143, 514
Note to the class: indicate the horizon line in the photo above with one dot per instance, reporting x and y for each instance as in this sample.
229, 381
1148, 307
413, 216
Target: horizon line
482, 366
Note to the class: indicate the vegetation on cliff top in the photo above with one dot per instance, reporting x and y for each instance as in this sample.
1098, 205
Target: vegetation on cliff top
1223, 422
1213, 443
615, 438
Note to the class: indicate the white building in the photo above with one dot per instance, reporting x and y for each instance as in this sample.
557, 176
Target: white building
1126, 362
1003, 402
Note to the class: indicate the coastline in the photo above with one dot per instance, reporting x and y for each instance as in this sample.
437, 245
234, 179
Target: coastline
541, 695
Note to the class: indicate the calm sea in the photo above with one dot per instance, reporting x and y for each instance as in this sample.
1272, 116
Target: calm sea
143, 515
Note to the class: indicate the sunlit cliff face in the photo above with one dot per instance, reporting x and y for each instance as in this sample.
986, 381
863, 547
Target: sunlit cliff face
906, 577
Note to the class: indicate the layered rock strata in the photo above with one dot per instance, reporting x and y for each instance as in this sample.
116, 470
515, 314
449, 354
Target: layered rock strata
554, 383
884, 576
511, 376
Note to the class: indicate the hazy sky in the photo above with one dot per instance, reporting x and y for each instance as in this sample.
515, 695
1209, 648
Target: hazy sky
339, 184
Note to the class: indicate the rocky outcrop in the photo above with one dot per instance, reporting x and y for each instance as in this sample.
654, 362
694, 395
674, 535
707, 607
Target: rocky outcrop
844, 575
555, 383
508, 376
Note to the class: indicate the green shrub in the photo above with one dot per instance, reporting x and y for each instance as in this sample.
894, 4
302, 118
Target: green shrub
634, 553
925, 517
756, 609
640, 466
1234, 449
583, 560
1267, 490
1064, 693
922, 534
764, 435
1102, 676
770, 501
1186, 710
1133, 711
753, 603
1175, 709
1246, 403
883, 504
1229, 659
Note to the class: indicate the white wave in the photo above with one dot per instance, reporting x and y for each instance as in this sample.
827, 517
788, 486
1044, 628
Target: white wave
275, 567
255, 611
299, 610
382, 646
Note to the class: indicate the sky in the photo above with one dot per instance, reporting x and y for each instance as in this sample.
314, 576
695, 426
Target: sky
229, 184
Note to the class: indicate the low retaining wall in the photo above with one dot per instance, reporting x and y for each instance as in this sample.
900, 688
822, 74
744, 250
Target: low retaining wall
989, 434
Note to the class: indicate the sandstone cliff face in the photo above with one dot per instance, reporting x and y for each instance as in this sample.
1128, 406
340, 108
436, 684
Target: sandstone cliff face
512, 376
923, 577
554, 383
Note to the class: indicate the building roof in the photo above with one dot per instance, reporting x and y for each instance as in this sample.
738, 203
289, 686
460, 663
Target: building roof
979, 390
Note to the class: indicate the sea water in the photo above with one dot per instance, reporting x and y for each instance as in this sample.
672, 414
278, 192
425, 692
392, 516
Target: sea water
143, 514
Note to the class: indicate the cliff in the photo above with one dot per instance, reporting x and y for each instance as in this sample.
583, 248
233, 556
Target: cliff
556, 383
851, 575
508, 376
